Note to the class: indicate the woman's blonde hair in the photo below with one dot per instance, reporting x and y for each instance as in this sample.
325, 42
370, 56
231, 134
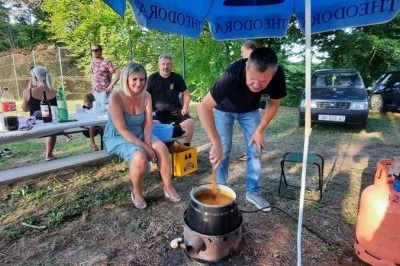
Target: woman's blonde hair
42, 76
130, 70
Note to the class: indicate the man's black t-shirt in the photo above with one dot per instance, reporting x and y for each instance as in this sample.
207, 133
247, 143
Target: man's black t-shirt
233, 95
165, 91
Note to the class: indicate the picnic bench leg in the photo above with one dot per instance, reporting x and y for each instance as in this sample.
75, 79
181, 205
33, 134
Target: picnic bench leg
101, 139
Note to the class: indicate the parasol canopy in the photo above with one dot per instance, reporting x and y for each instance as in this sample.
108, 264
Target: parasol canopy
250, 19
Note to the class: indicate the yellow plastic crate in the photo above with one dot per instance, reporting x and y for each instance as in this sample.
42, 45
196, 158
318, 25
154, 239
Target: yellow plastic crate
184, 160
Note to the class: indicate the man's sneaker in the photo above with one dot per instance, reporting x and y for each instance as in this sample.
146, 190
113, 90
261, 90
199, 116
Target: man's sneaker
260, 202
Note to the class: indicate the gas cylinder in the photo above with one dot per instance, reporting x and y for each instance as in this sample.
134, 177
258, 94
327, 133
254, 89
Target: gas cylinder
378, 222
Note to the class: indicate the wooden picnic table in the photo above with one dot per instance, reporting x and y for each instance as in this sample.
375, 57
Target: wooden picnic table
40, 130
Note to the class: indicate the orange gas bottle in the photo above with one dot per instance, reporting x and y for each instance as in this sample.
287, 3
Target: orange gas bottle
378, 223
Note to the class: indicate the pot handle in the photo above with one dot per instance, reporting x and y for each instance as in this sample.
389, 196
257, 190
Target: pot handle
193, 248
177, 243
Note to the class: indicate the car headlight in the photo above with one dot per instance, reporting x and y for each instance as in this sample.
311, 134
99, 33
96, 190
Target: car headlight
359, 106
313, 103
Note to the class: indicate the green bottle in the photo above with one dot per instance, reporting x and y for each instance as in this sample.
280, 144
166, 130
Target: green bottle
62, 105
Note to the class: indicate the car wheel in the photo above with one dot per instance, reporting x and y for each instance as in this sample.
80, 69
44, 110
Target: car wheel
376, 102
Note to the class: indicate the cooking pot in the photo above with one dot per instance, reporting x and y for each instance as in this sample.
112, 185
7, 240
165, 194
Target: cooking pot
212, 219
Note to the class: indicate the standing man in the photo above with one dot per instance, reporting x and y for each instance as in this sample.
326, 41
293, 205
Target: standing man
165, 88
235, 96
246, 48
245, 51
103, 71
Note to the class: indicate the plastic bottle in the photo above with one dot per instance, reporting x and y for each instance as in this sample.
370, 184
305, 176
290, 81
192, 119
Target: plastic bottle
45, 108
62, 105
9, 118
8, 105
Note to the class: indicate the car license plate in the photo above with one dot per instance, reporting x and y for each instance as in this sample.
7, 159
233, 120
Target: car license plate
336, 118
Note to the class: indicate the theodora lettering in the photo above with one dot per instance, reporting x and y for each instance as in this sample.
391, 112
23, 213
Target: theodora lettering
160, 13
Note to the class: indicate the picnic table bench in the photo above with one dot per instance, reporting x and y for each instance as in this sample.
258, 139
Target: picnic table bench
29, 171
41, 130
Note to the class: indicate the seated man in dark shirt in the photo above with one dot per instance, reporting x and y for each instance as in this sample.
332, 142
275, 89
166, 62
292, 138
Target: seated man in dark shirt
165, 88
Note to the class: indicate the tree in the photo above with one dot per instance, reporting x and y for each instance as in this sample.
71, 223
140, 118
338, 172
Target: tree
7, 32
23, 29
77, 24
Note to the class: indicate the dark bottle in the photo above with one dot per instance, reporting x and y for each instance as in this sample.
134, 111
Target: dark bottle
45, 108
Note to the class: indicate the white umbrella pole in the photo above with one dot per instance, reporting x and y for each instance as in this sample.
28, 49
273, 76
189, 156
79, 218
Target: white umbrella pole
307, 127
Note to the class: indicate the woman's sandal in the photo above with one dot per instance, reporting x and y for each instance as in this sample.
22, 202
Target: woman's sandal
48, 159
94, 147
140, 205
174, 199
7, 153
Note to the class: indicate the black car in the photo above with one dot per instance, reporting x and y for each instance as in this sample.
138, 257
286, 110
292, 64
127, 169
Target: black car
337, 96
385, 94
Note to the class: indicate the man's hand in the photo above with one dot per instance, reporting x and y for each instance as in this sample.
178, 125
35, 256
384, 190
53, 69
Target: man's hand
109, 88
258, 139
151, 156
215, 155
185, 111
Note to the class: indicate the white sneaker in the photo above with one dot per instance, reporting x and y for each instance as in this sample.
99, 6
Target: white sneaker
260, 202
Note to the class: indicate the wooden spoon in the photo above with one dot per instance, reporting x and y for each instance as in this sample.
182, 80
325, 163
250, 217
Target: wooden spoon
214, 190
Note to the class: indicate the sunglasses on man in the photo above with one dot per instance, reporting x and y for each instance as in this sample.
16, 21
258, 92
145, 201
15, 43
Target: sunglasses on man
95, 50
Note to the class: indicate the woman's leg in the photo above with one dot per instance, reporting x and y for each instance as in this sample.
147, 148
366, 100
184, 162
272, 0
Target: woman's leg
164, 165
92, 134
50, 143
137, 170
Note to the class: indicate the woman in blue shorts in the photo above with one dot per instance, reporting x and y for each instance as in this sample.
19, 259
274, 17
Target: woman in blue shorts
128, 133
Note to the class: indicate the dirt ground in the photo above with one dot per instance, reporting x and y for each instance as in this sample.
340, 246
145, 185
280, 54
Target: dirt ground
114, 233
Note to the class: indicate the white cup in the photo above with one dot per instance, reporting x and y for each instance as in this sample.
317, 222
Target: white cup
54, 112
2, 124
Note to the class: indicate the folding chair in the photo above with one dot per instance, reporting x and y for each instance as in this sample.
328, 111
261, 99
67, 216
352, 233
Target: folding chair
297, 157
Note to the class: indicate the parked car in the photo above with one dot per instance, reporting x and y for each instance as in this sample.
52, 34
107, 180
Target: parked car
337, 96
385, 94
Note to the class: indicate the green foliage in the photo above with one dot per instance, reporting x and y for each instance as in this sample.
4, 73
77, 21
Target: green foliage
24, 31
77, 24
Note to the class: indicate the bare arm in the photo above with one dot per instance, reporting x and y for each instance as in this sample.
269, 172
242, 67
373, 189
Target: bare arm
116, 75
25, 98
206, 116
148, 123
269, 114
186, 101
258, 136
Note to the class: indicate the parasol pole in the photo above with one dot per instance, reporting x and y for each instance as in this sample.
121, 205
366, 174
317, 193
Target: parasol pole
307, 127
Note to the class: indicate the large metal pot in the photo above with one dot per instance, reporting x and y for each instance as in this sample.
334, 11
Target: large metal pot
212, 219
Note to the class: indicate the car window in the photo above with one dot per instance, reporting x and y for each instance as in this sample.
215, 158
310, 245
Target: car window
393, 78
346, 79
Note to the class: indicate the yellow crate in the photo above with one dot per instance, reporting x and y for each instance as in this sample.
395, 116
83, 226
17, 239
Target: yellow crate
184, 160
